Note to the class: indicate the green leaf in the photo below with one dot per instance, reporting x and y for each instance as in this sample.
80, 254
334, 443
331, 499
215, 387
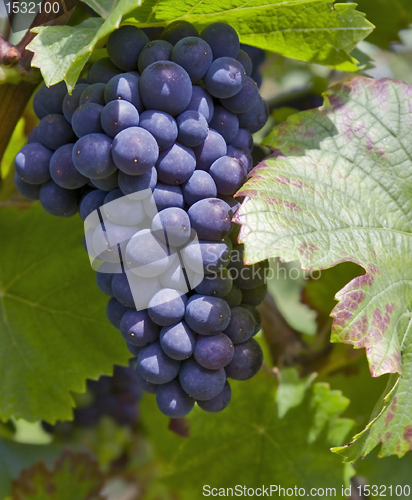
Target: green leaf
74, 475
248, 444
310, 30
338, 188
388, 17
62, 51
291, 390
53, 329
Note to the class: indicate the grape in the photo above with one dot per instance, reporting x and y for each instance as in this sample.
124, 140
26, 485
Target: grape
90, 202
72, 102
32, 163
144, 384
138, 329
215, 255
178, 341
29, 191
245, 61
256, 117
133, 349
225, 77
165, 86
202, 102
134, 150
167, 307
229, 174
199, 382
207, 315
225, 123
193, 128
166, 195
241, 154
243, 140
147, 256
177, 30
175, 164
223, 40
92, 156
55, 131
216, 284
125, 210
256, 55
157, 50
86, 119
210, 218
124, 46
257, 77
255, 296
105, 240
155, 366
246, 276
102, 71
124, 86
161, 125
93, 93
172, 226
122, 292
214, 352
219, 402
117, 116
194, 55
57, 200
256, 316
153, 33
108, 183
234, 297
173, 401
62, 170
130, 184
199, 186
244, 99
241, 326
246, 362
104, 282
115, 311
49, 100
33, 135
210, 150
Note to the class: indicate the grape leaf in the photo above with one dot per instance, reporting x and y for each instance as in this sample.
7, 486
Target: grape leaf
310, 30
74, 475
248, 444
62, 51
338, 188
16, 456
388, 17
53, 329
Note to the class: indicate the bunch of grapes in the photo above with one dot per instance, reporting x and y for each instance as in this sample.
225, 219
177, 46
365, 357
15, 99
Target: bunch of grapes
173, 116
115, 396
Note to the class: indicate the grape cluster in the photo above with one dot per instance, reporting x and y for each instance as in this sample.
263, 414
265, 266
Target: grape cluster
115, 396
175, 116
